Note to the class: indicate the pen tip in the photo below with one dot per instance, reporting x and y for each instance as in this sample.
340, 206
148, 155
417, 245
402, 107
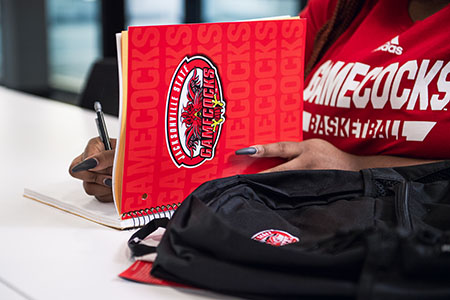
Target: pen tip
97, 106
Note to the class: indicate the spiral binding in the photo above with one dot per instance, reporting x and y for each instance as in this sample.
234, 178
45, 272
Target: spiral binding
148, 214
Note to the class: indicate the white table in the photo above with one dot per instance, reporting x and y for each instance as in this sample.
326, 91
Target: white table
46, 253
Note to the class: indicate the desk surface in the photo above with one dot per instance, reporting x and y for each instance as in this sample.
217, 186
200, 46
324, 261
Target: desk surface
46, 253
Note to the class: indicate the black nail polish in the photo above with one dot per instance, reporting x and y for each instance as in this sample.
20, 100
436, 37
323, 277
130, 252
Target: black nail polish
246, 151
108, 182
85, 165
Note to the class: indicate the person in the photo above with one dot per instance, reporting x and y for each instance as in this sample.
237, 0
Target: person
376, 93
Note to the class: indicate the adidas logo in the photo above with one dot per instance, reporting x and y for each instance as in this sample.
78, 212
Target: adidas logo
392, 47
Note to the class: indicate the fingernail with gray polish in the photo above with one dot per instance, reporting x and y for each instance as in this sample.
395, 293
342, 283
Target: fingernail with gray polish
85, 165
246, 151
108, 182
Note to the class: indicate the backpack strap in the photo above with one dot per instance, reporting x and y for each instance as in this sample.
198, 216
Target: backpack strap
134, 243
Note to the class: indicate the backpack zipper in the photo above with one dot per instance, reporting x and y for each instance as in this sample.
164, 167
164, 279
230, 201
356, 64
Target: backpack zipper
402, 206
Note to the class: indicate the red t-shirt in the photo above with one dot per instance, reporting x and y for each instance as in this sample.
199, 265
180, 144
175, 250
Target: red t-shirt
384, 85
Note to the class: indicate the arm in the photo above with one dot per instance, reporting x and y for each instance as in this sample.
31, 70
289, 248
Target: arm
320, 154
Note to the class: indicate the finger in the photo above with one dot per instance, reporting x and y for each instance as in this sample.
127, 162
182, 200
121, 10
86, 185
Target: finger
101, 192
286, 150
94, 177
84, 174
107, 171
85, 165
105, 160
75, 162
99, 161
94, 147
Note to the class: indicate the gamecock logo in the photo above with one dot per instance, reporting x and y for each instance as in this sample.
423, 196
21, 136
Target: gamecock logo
275, 237
195, 112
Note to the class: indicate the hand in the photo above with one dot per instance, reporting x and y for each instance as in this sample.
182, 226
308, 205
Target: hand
309, 154
94, 167
320, 154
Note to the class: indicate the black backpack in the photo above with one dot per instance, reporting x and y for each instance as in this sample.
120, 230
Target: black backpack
375, 234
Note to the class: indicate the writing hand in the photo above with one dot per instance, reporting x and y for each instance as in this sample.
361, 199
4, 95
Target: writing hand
94, 168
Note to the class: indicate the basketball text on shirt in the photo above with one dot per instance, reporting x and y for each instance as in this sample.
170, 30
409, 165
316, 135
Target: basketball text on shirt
358, 85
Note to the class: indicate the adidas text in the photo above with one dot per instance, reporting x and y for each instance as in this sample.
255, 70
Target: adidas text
388, 47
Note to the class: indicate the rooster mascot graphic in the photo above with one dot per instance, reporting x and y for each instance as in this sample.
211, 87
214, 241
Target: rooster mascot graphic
191, 115
195, 112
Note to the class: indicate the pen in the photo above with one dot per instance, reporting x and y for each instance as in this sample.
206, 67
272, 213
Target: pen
101, 126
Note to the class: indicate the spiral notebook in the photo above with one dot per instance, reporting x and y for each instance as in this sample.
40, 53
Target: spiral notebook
68, 195
190, 96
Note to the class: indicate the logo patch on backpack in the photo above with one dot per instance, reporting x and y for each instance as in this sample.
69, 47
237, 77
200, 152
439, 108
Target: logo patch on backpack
195, 112
275, 237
